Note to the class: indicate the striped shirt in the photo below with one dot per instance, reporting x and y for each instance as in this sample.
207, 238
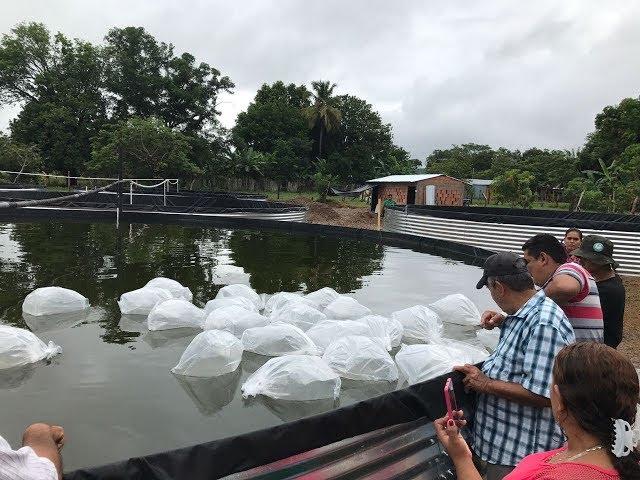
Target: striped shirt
583, 310
24, 464
505, 431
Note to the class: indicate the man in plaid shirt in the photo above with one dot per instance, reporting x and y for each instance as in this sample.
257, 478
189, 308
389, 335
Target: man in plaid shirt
513, 416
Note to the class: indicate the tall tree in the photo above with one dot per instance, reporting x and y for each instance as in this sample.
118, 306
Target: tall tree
323, 116
58, 82
144, 78
274, 124
362, 147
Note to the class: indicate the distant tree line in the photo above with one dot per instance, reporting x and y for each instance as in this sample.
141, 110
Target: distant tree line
84, 105
604, 175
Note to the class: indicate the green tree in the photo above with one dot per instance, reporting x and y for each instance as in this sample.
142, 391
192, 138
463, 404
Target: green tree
323, 179
18, 157
469, 160
514, 187
362, 147
144, 78
274, 125
248, 163
616, 128
323, 116
58, 82
148, 147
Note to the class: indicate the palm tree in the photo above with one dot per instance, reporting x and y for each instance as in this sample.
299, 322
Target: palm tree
322, 113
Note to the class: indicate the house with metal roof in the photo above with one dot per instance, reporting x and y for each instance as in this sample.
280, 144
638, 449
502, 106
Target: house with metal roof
421, 189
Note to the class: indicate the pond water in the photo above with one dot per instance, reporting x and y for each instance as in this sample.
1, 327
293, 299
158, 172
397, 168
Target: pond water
112, 389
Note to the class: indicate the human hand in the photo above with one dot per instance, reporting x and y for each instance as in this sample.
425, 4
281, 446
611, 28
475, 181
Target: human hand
448, 432
57, 435
474, 379
491, 319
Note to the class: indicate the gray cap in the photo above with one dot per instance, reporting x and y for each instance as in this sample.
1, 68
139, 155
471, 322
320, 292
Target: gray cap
501, 264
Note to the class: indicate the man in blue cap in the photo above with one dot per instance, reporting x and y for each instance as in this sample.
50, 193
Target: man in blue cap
513, 417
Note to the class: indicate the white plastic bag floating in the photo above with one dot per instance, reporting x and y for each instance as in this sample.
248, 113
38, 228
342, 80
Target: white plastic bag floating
360, 358
293, 377
299, 314
278, 339
52, 300
240, 290
420, 323
278, 300
234, 320
323, 297
210, 353
457, 309
345, 308
175, 287
380, 329
19, 347
176, 313
419, 363
489, 338
328, 331
142, 300
217, 303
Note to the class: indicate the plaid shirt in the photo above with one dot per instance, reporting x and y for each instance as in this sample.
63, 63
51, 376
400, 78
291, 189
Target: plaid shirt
505, 431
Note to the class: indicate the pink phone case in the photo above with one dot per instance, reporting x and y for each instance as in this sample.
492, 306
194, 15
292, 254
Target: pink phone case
450, 398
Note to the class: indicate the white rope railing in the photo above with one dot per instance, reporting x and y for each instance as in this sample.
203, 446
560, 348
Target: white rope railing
173, 181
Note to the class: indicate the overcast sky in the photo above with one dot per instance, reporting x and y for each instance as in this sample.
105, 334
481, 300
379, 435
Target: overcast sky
506, 73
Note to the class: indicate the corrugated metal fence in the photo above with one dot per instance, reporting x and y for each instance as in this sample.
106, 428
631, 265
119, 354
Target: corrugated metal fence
505, 236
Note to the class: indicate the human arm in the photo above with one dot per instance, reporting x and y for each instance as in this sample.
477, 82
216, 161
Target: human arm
562, 288
46, 441
448, 432
475, 380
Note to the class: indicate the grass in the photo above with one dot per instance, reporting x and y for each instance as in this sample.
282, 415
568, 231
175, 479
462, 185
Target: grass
314, 196
536, 205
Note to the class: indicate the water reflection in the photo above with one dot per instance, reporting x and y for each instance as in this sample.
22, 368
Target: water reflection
50, 323
289, 410
165, 338
209, 395
15, 377
356, 390
102, 262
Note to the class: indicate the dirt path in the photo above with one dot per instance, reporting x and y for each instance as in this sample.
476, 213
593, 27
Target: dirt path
334, 214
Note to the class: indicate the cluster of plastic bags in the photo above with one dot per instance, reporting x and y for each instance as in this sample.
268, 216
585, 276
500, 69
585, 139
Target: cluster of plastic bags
316, 339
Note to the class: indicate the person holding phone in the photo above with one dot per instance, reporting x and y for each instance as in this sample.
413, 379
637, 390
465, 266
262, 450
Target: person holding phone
594, 398
513, 417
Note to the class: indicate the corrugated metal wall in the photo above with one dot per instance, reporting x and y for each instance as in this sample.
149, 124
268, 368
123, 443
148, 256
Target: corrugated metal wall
505, 236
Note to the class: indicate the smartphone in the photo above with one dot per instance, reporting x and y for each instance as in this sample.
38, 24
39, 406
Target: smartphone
450, 399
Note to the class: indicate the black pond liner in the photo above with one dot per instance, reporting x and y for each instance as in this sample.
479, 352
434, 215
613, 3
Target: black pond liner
423, 402
517, 216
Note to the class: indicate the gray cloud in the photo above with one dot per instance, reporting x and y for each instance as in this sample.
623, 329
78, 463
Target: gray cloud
507, 73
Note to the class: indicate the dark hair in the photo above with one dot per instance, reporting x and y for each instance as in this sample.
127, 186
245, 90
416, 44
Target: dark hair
598, 384
547, 243
518, 282
573, 229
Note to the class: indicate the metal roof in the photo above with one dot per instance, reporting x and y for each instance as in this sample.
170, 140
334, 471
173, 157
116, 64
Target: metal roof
404, 178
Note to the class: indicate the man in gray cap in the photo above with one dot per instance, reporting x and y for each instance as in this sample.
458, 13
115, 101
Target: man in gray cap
596, 256
513, 417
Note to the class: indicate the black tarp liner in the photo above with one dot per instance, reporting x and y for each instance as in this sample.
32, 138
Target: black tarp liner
547, 218
236, 454
201, 202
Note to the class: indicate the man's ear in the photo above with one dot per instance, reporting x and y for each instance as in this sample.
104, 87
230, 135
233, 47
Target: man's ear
543, 258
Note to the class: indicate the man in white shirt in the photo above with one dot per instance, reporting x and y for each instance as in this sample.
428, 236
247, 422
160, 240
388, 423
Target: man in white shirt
38, 459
